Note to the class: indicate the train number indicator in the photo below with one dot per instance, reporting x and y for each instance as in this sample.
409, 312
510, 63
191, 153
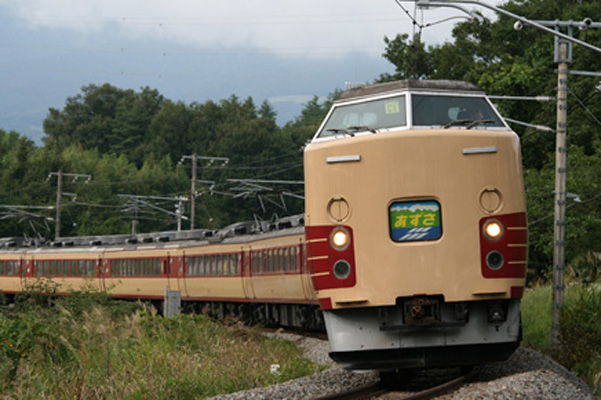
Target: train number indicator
392, 107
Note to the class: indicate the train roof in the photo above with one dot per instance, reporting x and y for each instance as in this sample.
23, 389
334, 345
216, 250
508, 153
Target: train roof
413, 85
241, 232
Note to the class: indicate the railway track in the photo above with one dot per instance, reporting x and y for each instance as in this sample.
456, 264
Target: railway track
375, 390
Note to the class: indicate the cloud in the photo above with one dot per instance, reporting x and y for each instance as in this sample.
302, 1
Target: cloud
293, 28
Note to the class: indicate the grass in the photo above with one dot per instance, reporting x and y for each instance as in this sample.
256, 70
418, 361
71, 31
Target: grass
83, 349
536, 318
580, 328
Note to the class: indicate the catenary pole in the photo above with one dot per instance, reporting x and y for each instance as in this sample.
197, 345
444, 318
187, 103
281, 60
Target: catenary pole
59, 199
559, 227
59, 195
193, 192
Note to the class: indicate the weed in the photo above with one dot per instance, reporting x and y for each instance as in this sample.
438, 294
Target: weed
581, 334
580, 328
102, 348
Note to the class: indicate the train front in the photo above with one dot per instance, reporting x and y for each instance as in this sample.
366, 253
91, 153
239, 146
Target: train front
416, 227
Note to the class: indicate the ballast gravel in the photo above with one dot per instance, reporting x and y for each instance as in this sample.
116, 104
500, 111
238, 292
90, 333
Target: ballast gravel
526, 375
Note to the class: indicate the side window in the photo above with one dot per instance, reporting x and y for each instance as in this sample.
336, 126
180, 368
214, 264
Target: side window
225, 258
196, 265
276, 260
89, 268
267, 255
286, 256
191, 264
233, 264
213, 265
293, 260
282, 259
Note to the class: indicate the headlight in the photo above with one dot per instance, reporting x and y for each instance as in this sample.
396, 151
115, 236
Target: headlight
342, 269
493, 230
495, 260
340, 238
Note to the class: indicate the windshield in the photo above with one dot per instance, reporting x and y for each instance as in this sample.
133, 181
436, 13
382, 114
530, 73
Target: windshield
366, 116
450, 111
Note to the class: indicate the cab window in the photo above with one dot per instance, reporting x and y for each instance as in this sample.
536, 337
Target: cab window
452, 111
365, 116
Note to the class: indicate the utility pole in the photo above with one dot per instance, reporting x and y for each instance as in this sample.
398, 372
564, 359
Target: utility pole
136, 201
193, 182
559, 228
59, 195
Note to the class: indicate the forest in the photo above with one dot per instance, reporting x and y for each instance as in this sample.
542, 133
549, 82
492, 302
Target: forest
139, 143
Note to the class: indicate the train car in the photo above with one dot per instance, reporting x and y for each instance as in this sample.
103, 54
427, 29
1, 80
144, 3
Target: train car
413, 243
255, 272
416, 226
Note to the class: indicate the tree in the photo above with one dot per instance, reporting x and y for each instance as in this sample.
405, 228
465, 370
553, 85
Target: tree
410, 58
104, 117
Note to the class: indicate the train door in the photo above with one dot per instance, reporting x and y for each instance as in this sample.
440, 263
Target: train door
26, 272
102, 269
21, 267
175, 272
300, 256
181, 275
247, 283
28, 268
166, 269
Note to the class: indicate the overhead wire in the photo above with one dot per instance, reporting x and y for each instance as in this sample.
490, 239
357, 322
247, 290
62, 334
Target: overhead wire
589, 200
588, 111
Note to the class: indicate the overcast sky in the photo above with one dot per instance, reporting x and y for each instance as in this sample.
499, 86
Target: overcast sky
194, 50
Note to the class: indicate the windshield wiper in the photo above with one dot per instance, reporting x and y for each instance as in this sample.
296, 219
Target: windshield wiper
351, 130
361, 128
340, 130
480, 121
458, 122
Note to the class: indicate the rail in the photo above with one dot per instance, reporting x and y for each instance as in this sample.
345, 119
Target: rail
374, 390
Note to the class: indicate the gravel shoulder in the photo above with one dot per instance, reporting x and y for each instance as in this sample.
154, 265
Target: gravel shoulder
525, 375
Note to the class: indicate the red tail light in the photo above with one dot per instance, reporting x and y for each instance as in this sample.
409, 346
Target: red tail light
504, 246
331, 256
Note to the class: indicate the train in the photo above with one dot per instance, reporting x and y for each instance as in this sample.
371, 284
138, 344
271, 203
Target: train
411, 252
